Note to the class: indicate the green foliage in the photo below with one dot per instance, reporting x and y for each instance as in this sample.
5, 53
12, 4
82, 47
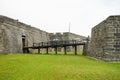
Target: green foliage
56, 67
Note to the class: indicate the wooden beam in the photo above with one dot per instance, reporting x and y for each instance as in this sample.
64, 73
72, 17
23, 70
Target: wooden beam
75, 49
38, 50
65, 50
47, 50
55, 50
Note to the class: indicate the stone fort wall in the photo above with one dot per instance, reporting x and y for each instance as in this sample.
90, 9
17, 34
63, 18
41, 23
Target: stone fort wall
105, 40
68, 36
12, 33
15, 35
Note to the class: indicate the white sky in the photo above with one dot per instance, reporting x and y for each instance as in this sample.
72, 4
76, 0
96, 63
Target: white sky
55, 15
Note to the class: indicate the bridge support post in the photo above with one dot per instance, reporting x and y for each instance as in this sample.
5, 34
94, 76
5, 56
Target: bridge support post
75, 49
55, 50
38, 50
47, 50
65, 50
84, 49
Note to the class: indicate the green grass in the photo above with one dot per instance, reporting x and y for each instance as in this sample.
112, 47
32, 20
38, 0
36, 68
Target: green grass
56, 67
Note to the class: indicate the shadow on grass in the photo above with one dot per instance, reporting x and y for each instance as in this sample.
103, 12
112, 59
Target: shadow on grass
59, 53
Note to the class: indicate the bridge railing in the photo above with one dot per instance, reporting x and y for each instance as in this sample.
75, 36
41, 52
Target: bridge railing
57, 43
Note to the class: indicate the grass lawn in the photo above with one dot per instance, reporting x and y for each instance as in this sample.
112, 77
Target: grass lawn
56, 67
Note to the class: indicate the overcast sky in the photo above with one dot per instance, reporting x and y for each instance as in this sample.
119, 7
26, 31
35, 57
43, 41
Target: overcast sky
55, 15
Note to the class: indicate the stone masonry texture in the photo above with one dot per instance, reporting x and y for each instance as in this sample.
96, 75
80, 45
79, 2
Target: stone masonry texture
66, 36
11, 34
15, 35
105, 40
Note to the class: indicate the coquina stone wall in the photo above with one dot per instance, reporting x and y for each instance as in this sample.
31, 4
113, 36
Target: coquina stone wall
15, 35
66, 36
105, 40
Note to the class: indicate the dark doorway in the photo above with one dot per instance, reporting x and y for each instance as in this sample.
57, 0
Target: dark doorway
25, 49
23, 41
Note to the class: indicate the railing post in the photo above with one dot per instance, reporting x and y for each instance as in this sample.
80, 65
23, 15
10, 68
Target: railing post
33, 44
39, 44
47, 44
42, 43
